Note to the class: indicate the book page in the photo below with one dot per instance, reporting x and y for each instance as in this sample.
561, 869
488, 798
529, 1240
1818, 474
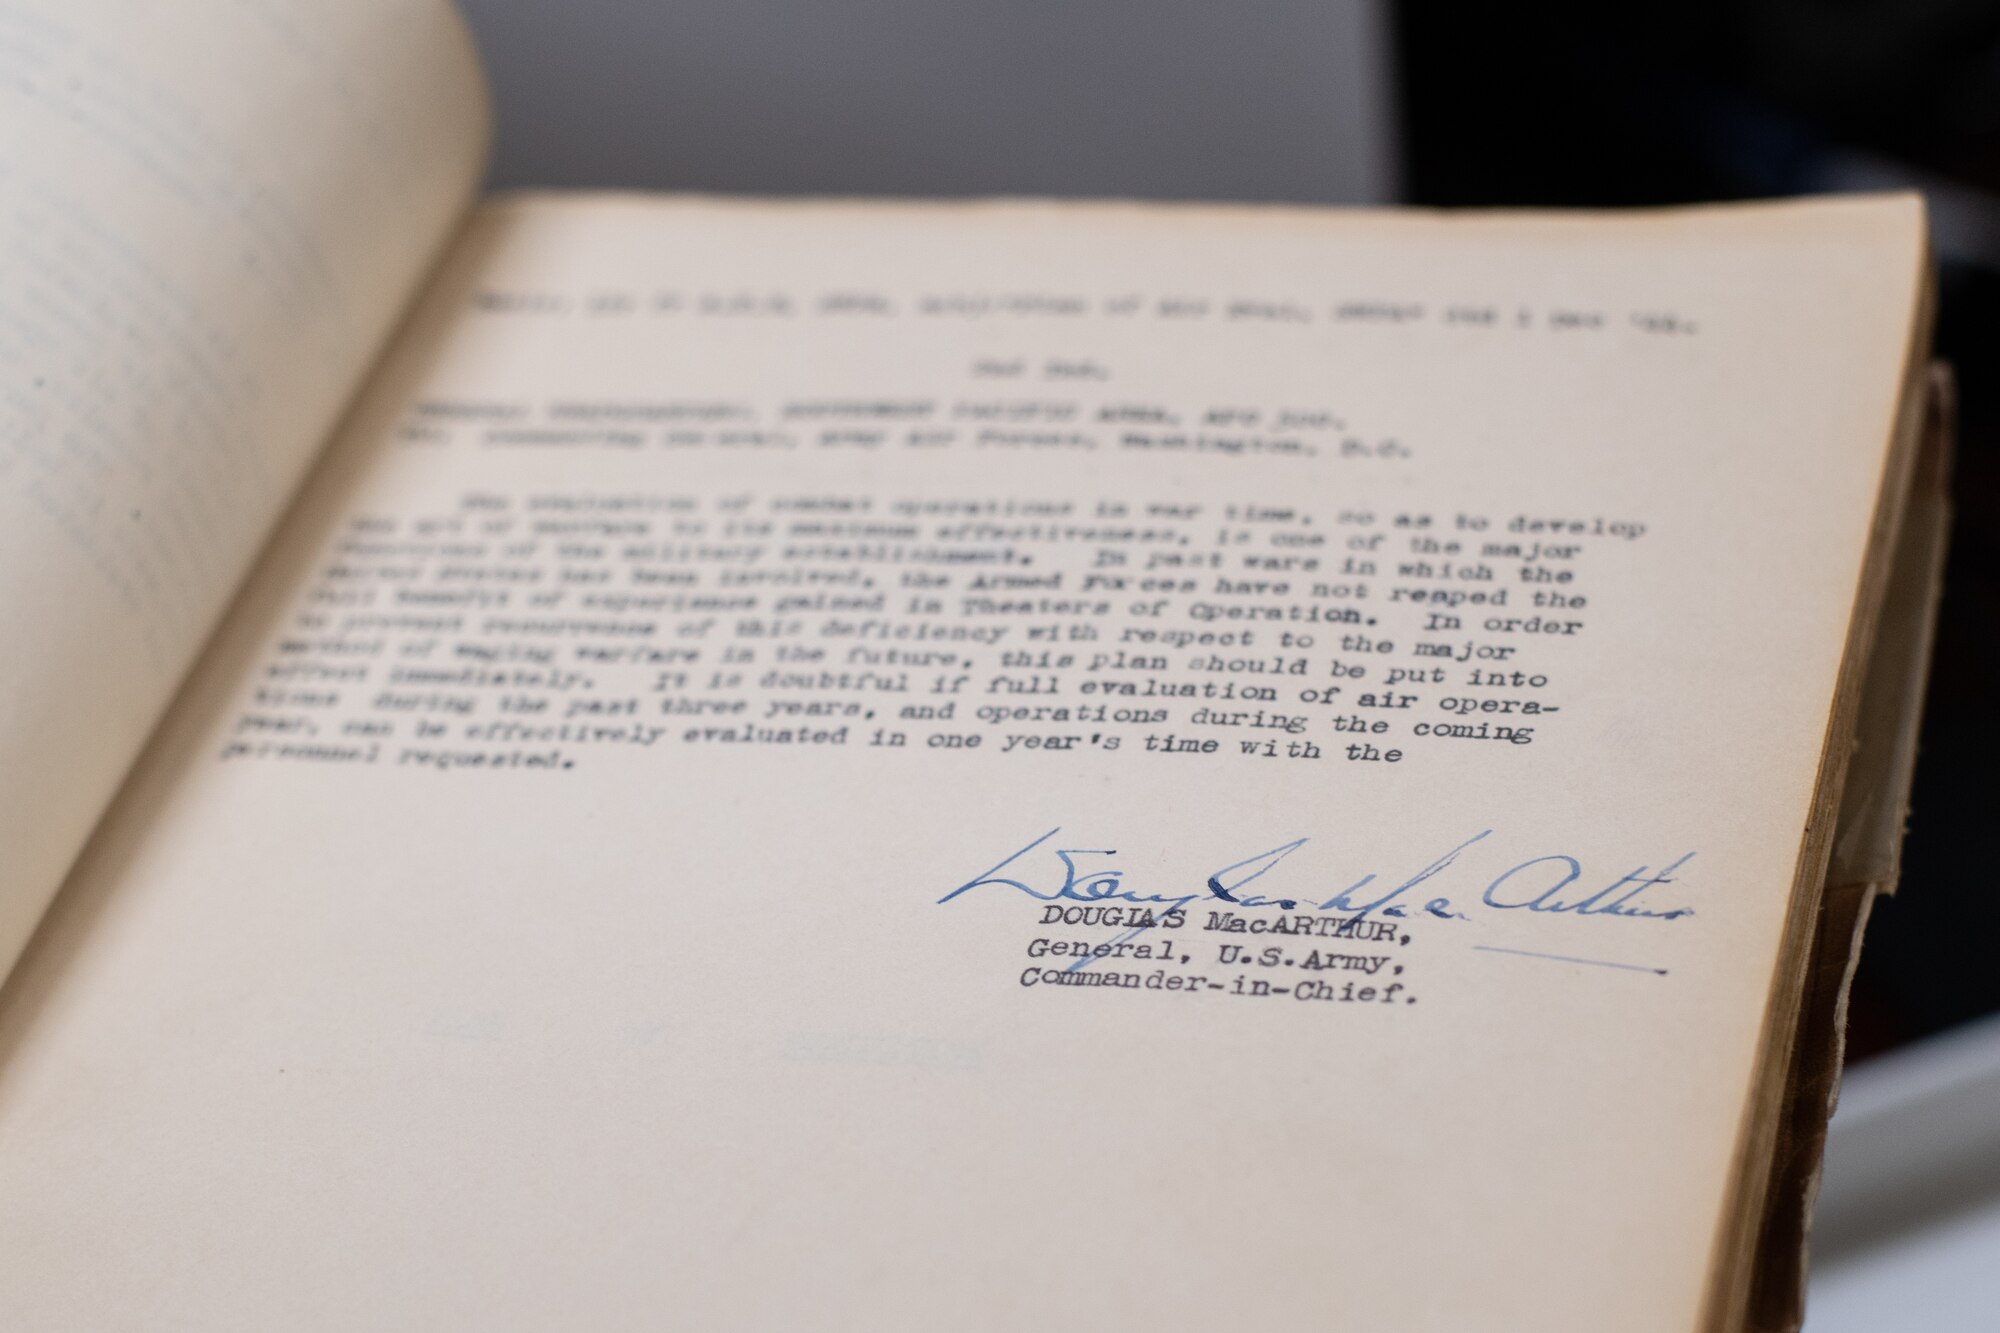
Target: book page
875, 766
211, 215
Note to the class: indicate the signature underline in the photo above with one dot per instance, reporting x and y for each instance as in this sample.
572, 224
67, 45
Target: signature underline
1566, 958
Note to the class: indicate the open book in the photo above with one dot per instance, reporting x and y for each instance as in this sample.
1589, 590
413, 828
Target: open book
612, 762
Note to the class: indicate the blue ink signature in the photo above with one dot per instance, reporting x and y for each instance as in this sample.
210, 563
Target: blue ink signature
1550, 900
1541, 884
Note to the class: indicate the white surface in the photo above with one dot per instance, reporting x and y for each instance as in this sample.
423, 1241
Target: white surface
1907, 1234
1941, 1278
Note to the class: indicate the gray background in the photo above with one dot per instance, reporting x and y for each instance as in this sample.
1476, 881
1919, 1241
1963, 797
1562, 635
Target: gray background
1251, 99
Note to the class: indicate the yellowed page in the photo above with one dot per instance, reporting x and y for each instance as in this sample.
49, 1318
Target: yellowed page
211, 214
913, 767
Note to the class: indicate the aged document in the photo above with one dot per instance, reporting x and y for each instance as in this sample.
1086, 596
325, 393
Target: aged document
911, 767
212, 214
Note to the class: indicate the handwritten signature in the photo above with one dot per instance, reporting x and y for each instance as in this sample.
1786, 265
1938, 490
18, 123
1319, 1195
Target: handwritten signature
1548, 884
